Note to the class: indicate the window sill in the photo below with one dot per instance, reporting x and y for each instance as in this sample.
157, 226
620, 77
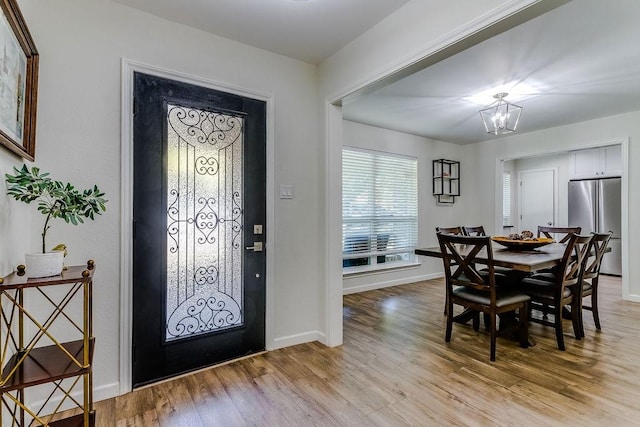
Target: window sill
378, 268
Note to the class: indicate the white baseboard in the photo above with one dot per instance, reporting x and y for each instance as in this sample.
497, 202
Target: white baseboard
106, 391
389, 283
297, 339
633, 298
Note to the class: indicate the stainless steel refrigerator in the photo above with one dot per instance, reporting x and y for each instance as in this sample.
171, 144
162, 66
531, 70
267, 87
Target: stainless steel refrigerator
594, 205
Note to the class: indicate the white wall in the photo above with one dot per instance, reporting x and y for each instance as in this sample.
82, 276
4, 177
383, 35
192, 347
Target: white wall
405, 37
559, 162
416, 30
592, 133
14, 220
430, 214
81, 46
510, 166
402, 38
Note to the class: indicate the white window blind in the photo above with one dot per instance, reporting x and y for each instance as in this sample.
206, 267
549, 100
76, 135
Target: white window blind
379, 205
506, 198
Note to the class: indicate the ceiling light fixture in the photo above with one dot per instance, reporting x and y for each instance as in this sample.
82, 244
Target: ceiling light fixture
501, 117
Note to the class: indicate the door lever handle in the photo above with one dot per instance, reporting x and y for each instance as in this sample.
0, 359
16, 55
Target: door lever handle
257, 247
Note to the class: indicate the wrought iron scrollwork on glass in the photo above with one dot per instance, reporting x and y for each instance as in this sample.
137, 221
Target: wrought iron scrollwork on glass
203, 315
208, 166
204, 221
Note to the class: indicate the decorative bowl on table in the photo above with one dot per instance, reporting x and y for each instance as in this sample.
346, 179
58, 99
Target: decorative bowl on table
522, 244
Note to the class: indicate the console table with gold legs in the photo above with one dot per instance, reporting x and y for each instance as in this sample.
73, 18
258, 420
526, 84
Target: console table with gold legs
46, 348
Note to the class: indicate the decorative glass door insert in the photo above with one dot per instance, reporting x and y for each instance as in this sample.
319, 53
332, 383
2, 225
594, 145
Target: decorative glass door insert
204, 221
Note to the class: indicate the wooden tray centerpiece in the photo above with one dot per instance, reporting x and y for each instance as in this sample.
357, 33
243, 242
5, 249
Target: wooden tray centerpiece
522, 245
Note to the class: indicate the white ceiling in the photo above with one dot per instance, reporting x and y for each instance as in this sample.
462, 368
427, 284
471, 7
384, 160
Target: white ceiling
308, 30
577, 62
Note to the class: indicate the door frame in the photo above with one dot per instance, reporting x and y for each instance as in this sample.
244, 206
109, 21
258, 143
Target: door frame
129, 67
555, 208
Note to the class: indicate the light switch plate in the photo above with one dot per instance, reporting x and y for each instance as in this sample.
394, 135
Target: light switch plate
286, 191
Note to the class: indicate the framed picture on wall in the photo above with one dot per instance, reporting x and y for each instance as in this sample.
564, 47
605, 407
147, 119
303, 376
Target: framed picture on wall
18, 82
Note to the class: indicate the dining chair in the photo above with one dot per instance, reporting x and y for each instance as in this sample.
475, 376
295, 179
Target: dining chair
599, 244
504, 275
469, 288
478, 230
559, 234
552, 291
473, 230
458, 231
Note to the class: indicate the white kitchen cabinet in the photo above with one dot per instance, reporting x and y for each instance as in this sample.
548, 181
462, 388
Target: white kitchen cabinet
601, 162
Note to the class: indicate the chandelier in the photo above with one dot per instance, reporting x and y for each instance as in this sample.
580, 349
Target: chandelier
501, 117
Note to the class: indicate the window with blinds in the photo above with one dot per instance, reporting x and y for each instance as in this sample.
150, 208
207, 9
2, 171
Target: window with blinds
506, 199
379, 207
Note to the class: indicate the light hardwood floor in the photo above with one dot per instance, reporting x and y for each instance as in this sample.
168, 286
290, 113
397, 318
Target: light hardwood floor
395, 369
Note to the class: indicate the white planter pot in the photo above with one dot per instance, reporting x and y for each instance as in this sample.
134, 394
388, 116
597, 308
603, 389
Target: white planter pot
44, 264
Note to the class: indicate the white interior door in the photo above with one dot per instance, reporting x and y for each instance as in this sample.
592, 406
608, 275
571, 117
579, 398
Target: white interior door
537, 195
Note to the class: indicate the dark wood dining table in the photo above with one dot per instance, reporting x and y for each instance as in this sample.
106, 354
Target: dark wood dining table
526, 261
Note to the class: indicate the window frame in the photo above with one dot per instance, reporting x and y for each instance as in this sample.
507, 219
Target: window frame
507, 197
383, 218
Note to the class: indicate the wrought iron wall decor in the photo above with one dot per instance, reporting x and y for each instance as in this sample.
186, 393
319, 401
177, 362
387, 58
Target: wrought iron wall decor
204, 221
446, 180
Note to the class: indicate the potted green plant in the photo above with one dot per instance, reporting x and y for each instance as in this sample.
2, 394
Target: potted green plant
55, 200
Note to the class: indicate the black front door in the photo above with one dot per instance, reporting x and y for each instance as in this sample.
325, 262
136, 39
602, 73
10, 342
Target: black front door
199, 209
